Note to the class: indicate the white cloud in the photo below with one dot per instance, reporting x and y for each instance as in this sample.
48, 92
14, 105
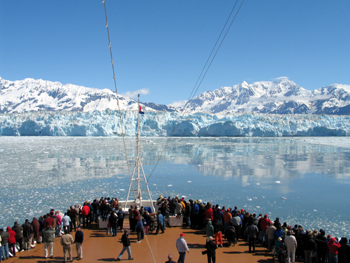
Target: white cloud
133, 94
178, 104
282, 78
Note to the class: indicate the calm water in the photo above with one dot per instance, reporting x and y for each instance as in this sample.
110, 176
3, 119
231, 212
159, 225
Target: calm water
302, 180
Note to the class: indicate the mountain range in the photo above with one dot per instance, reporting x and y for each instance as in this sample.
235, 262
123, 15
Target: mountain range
281, 96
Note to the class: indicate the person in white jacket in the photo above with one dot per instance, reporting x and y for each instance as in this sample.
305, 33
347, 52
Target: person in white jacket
291, 244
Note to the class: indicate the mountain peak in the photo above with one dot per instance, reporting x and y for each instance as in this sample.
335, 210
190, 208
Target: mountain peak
281, 96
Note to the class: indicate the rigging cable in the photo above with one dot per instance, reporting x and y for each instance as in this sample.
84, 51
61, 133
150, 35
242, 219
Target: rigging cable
116, 90
217, 41
121, 120
201, 75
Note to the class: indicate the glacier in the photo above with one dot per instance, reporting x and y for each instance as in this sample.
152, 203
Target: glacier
163, 124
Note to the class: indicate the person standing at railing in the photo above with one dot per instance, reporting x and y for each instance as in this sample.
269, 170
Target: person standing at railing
291, 244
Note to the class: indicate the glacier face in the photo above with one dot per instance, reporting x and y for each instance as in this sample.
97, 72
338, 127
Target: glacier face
159, 124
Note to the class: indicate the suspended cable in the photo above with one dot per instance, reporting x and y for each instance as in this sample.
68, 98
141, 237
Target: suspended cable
202, 76
116, 91
212, 51
196, 87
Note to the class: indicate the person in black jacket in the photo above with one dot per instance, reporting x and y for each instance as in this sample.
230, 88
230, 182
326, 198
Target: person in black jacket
252, 232
79, 238
27, 234
19, 235
113, 220
126, 245
321, 246
309, 247
211, 247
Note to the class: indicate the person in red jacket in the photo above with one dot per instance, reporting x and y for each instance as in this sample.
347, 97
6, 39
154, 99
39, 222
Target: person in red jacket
333, 247
85, 213
48, 221
209, 212
12, 241
264, 224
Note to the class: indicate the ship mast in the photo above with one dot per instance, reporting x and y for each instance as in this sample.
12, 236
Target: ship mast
138, 178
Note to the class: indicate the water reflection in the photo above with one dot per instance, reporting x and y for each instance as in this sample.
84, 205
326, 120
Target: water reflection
231, 171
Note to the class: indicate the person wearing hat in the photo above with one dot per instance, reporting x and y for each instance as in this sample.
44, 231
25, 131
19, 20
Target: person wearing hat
182, 248
291, 244
211, 247
227, 217
333, 247
280, 249
309, 246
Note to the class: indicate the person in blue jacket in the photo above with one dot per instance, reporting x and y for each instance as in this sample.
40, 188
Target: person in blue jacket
160, 222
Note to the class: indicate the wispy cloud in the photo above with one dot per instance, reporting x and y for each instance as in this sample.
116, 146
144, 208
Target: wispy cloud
282, 78
178, 104
133, 94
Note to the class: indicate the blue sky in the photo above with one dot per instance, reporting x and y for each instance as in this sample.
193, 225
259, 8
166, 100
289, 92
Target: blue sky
162, 46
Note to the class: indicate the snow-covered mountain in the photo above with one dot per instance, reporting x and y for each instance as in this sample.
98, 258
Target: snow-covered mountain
281, 96
31, 95
278, 97
37, 107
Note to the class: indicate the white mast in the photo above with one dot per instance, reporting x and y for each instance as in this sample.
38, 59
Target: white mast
138, 178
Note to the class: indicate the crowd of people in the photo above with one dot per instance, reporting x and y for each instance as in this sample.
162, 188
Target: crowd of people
53, 224
286, 242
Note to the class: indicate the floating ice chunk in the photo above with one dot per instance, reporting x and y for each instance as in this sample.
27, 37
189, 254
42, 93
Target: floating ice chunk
122, 190
154, 184
170, 185
315, 210
189, 181
249, 199
199, 165
277, 182
263, 196
257, 183
284, 198
258, 207
247, 183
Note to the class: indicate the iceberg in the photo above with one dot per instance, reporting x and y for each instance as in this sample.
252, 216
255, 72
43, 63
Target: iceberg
163, 124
